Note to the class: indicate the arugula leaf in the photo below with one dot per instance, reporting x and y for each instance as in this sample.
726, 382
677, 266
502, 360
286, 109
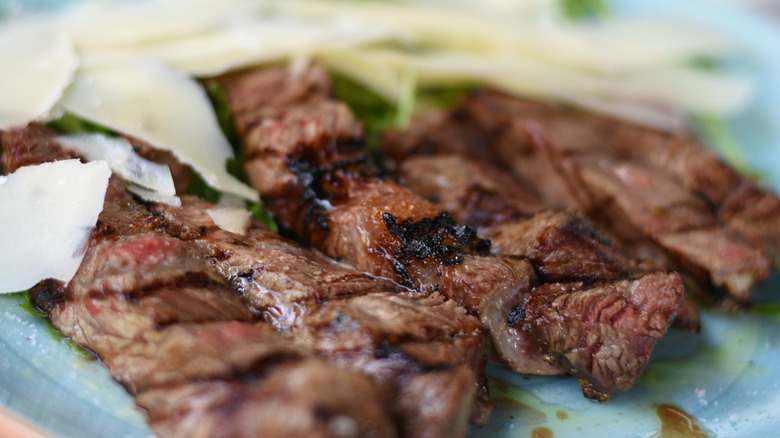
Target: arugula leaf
260, 213
72, 124
720, 137
584, 9
376, 113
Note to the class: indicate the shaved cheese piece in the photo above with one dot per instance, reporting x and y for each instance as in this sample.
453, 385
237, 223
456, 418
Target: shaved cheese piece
164, 108
38, 61
152, 196
245, 43
235, 220
48, 213
100, 25
119, 154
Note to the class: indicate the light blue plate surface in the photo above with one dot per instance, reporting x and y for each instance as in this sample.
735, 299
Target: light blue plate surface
726, 377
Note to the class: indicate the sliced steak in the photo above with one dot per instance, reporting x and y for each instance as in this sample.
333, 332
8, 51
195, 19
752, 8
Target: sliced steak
350, 318
569, 254
562, 246
604, 333
584, 161
167, 323
306, 159
678, 222
300, 398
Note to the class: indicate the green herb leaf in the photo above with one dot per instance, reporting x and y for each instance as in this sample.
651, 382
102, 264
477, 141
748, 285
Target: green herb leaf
584, 9
72, 124
260, 213
718, 135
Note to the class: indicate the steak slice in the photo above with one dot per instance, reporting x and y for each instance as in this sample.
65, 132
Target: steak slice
745, 208
603, 333
569, 254
351, 318
300, 398
167, 323
677, 222
152, 343
305, 157
562, 246
639, 203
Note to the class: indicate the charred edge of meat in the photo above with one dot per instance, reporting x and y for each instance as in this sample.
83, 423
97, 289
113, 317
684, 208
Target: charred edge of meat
190, 279
316, 180
516, 316
47, 294
388, 350
440, 238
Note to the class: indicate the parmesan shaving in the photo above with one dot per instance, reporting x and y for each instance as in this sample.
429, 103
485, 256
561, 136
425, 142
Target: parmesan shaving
123, 161
162, 107
153, 196
235, 220
48, 213
38, 61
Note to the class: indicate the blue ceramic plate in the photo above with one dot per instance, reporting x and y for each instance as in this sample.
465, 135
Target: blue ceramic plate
721, 382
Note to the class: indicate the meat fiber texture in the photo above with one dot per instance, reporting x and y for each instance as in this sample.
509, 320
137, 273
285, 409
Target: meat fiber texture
666, 197
568, 253
158, 299
305, 157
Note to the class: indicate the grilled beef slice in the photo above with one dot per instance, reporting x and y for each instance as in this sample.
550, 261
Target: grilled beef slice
426, 350
570, 255
305, 157
179, 337
562, 246
746, 209
603, 332
341, 205
652, 212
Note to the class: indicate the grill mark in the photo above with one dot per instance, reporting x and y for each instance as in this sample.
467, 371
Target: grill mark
439, 238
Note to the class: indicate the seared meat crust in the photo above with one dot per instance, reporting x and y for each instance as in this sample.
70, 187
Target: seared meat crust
306, 158
158, 300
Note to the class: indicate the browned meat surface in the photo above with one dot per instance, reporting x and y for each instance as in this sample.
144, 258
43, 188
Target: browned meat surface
161, 317
472, 191
653, 207
275, 275
754, 214
354, 320
297, 398
322, 190
435, 132
605, 332
583, 161
24, 147
562, 246
175, 332
569, 254
306, 159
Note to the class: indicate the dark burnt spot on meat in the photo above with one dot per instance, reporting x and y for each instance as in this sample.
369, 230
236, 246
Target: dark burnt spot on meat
401, 270
246, 274
385, 350
47, 294
102, 230
318, 183
516, 316
578, 226
438, 238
